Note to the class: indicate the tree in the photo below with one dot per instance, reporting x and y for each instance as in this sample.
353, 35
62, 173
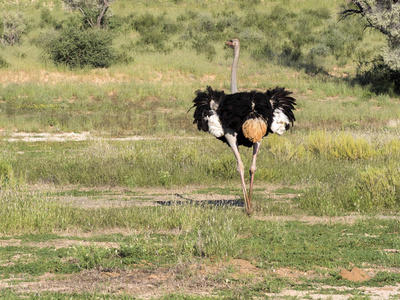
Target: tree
13, 27
94, 12
382, 15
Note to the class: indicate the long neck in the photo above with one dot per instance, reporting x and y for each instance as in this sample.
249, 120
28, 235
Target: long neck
234, 69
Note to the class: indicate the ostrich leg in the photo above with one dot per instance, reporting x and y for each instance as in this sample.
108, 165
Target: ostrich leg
253, 168
232, 141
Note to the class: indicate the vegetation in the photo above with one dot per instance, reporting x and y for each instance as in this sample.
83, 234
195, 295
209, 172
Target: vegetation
94, 13
108, 191
13, 27
381, 16
75, 47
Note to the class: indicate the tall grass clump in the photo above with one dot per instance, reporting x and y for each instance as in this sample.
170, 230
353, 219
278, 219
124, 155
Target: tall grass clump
6, 173
214, 232
200, 231
331, 195
354, 188
284, 148
340, 146
378, 188
24, 211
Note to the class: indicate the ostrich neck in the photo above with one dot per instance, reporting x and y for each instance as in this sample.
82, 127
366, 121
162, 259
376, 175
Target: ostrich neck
234, 69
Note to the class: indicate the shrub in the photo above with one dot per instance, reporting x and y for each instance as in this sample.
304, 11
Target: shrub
154, 31
3, 63
319, 50
263, 53
378, 76
75, 47
202, 46
290, 55
47, 19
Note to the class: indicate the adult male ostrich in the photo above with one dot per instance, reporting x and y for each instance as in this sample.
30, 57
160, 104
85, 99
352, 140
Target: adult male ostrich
243, 118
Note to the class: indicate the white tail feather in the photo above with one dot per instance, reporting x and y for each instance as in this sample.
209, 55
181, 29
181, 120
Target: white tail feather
214, 125
279, 122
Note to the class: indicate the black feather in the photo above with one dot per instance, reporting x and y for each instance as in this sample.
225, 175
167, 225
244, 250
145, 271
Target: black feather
202, 106
235, 109
280, 98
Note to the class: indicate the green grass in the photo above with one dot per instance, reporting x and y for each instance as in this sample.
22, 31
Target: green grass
322, 249
339, 171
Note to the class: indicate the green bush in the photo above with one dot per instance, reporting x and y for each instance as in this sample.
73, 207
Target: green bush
202, 46
3, 63
378, 76
154, 31
47, 19
78, 48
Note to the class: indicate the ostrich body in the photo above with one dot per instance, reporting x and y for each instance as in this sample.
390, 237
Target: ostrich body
243, 118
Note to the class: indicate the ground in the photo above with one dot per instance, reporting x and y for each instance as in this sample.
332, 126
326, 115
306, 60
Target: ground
199, 277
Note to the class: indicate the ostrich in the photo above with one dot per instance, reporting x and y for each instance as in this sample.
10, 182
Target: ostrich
243, 118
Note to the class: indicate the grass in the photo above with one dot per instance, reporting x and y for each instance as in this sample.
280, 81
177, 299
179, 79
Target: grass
326, 195
354, 171
270, 245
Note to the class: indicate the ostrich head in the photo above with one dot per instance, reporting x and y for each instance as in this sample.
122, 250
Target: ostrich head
233, 43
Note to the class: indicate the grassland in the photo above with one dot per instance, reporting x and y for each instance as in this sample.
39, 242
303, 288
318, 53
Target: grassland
137, 204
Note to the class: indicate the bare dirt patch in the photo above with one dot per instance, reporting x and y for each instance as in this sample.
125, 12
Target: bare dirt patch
141, 283
47, 77
48, 137
341, 293
57, 244
77, 136
356, 275
202, 279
